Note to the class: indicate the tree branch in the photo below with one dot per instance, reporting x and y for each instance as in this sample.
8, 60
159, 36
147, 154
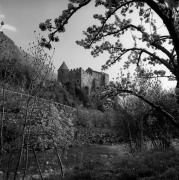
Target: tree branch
112, 13
161, 48
165, 113
139, 58
168, 23
161, 60
71, 14
153, 43
122, 29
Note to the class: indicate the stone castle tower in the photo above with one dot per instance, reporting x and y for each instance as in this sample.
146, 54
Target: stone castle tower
89, 80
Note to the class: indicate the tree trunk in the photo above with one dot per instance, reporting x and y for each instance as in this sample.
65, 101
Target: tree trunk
177, 98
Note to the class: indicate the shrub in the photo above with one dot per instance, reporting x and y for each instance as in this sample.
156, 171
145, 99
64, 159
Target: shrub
137, 122
53, 90
47, 123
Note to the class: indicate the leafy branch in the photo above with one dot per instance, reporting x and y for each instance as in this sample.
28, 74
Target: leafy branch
158, 108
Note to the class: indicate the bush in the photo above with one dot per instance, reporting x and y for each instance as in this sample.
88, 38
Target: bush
48, 124
95, 118
137, 122
53, 90
46, 121
151, 165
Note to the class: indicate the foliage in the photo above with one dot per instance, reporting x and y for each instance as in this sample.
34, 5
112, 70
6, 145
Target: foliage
53, 90
8, 49
95, 127
150, 165
149, 45
22, 69
155, 165
139, 121
81, 95
92, 118
14, 73
117, 22
102, 136
49, 124
40, 63
37, 125
147, 165
46, 123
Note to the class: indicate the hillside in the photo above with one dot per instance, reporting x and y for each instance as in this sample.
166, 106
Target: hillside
9, 50
19, 69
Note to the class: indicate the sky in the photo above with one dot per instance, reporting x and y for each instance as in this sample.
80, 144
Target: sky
22, 18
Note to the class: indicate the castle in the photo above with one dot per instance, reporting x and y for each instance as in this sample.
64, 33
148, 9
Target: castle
88, 80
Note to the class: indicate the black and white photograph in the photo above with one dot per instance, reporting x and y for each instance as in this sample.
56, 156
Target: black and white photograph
89, 89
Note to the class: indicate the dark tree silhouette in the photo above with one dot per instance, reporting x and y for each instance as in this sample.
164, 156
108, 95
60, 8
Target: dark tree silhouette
167, 44
149, 44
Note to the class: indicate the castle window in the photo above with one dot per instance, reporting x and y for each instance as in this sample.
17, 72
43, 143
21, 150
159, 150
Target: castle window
78, 81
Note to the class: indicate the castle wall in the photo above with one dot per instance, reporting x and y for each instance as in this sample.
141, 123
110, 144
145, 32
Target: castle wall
63, 76
106, 79
75, 77
101, 79
86, 80
98, 79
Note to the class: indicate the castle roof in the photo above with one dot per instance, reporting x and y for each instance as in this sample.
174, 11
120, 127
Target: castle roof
63, 66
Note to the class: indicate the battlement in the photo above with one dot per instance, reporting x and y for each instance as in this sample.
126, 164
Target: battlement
76, 70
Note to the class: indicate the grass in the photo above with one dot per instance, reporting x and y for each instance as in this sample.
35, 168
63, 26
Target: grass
149, 165
153, 165
99, 162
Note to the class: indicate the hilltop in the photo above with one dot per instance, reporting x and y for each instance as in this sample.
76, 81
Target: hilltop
8, 49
